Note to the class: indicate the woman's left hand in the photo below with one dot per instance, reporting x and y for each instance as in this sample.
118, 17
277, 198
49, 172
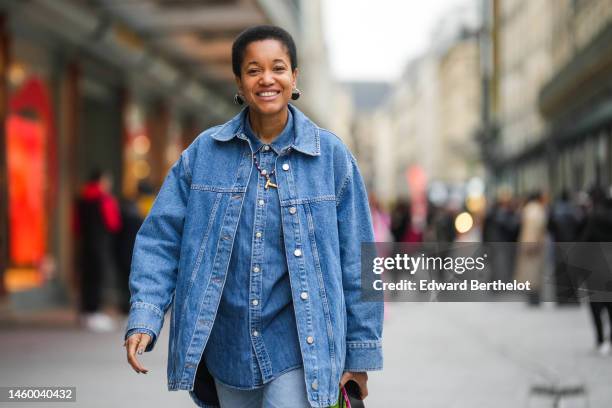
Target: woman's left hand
361, 378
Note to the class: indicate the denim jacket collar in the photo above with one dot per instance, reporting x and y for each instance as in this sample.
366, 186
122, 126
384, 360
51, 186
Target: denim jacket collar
306, 132
280, 143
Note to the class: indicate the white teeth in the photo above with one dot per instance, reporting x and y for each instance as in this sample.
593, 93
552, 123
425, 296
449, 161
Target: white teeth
267, 93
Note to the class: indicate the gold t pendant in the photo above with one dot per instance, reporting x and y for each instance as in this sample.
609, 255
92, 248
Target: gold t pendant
270, 184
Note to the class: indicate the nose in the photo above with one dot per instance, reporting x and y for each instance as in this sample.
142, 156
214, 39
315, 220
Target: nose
267, 78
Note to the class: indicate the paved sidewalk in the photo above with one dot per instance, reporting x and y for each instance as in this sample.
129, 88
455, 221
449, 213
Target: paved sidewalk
448, 355
454, 355
95, 363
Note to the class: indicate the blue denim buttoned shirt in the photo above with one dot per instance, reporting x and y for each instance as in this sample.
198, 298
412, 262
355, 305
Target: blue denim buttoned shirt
182, 253
254, 337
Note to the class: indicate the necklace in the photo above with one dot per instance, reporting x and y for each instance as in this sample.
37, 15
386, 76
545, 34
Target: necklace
264, 173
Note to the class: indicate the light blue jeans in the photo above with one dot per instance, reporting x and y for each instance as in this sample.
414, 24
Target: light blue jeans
289, 389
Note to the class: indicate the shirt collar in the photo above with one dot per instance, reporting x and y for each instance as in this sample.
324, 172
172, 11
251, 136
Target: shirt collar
306, 138
283, 140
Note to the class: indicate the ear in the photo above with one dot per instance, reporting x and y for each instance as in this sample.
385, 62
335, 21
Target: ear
295, 76
239, 84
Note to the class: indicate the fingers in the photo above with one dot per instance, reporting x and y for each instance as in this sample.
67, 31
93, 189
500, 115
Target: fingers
362, 381
145, 339
345, 378
137, 342
361, 378
363, 387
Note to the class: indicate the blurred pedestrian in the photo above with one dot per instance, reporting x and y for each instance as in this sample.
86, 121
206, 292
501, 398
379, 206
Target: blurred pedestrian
400, 219
381, 220
500, 231
98, 218
564, 224
132, 219
251, 323
532, 246
402, 227
598, 228
442, 224
145, 199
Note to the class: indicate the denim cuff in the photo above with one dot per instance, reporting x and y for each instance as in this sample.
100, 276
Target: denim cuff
148, 317
363, 356
141, 330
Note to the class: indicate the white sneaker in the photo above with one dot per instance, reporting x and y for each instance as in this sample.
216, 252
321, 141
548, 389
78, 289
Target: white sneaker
604, 348
99, 322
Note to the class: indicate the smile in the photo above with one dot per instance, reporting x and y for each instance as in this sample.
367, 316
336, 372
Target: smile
267, 94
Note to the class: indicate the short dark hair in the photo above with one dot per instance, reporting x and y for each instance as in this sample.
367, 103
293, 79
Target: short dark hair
95, 174
260, 33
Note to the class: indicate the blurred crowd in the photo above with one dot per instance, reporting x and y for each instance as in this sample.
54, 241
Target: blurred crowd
531, 224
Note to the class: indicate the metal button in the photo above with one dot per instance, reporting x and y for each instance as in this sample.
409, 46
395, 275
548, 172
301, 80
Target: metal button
256, 269
255, 302
255, 333
292, 210
285, 166
264, 172
304, 295
261, 203
258, 234
315, 385
297, 252
266, 148
309, 340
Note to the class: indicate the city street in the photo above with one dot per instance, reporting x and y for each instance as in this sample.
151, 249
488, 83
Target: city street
436, 355
151, 148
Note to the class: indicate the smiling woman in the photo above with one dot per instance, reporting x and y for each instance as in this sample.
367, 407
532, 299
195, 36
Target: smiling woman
254, 239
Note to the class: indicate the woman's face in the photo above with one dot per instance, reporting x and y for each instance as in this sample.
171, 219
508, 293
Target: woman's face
266, 79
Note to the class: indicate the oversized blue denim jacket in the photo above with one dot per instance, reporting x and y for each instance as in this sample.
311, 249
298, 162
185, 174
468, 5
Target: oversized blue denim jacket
183, 248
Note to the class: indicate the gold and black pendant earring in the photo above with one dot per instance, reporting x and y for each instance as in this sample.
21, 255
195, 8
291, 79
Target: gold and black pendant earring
295, 94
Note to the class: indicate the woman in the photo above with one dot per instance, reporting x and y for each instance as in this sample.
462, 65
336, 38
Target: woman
255, 239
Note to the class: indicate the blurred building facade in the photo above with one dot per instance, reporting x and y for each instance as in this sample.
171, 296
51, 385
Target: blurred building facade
551, 116
121, 86
366, 97
428, 123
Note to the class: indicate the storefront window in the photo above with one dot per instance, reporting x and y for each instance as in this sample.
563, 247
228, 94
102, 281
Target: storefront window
29, 130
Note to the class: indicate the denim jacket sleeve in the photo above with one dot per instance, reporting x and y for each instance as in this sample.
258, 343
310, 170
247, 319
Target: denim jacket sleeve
364, 319
156, 253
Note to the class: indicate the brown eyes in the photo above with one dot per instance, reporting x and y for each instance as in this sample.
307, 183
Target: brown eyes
275, 69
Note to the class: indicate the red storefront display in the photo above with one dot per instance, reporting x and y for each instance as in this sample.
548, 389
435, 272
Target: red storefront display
29, 139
